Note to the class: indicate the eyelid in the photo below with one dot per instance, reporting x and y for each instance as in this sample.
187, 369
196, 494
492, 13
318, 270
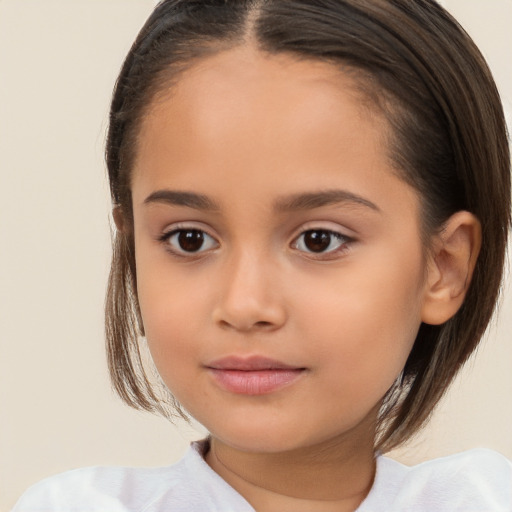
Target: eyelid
329, 227
320, 225
178, 227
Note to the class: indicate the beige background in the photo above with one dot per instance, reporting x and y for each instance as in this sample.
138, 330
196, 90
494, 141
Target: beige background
58, 62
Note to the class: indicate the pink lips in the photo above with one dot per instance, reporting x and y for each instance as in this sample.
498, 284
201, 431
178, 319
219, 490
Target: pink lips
254, 375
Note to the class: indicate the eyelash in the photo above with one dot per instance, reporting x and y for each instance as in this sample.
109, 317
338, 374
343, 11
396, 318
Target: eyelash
167, 237
342, 241
320, 236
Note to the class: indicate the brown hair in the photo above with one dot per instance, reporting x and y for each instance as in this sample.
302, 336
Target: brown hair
449, 142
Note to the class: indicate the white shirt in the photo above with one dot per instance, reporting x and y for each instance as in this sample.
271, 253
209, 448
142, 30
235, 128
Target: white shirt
474, 481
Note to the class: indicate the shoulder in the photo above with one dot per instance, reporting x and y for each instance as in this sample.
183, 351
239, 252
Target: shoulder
478, 465
116, 489
473, 481
190, 485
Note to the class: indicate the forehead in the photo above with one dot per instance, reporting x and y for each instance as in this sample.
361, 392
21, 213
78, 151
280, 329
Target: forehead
246, 70
255, 96
246, 130
242, 126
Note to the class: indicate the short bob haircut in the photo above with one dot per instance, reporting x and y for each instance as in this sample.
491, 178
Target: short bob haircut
420, 69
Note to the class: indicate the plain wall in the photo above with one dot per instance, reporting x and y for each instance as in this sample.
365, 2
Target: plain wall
58, 63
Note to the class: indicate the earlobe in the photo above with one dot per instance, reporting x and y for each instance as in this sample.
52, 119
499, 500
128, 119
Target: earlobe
119, 220
450, 268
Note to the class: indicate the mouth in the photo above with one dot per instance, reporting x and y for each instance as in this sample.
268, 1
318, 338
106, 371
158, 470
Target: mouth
253, 375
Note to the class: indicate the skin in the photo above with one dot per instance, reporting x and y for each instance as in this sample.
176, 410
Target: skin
250, 133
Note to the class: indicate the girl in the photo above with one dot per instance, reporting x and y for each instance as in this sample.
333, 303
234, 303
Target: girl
312, 202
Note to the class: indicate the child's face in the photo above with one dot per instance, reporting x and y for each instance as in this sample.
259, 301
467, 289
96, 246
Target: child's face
269, 224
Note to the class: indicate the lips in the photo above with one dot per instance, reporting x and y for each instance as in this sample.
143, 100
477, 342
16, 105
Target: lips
253, 375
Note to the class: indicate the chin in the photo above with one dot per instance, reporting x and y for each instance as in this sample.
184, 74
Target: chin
258, 437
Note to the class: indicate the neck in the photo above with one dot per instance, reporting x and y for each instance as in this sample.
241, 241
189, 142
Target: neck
335, 475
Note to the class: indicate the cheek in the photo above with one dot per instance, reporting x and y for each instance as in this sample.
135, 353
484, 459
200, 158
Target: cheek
171, 311
366, 319
172, 329
169, 339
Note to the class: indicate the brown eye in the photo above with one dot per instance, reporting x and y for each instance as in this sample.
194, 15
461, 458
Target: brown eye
320, 241
190, 241
317, 241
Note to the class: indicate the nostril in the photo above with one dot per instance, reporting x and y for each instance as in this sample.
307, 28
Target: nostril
262, 324
249, 314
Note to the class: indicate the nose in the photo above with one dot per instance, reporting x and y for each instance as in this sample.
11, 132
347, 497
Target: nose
251, 298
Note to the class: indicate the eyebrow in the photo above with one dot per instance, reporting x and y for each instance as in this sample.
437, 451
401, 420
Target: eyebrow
311, 200
303, 201
180, 198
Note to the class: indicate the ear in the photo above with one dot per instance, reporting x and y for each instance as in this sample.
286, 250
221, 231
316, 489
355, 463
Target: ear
119, 219
450, 268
